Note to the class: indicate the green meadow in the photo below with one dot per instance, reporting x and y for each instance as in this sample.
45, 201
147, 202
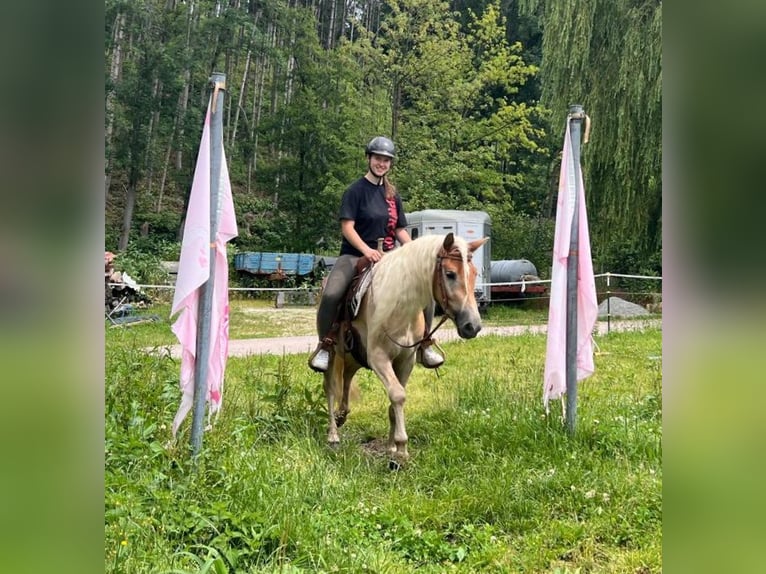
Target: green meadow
493, 484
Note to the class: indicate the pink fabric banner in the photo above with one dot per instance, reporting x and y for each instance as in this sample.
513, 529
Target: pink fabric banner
554, 380
194, 271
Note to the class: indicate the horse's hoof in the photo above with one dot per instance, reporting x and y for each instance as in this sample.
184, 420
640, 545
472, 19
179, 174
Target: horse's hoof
394, 465
340, 419
334, 445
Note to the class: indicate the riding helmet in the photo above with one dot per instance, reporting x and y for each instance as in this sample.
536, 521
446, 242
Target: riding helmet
381, 146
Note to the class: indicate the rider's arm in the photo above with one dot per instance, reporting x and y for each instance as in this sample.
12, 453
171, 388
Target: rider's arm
347, 228
402, 236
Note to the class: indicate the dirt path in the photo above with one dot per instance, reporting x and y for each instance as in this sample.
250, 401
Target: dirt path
306, 344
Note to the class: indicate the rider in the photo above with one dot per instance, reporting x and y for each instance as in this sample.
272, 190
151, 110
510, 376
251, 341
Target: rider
370, 208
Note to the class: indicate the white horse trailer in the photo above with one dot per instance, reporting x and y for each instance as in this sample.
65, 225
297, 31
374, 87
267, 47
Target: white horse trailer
469, 225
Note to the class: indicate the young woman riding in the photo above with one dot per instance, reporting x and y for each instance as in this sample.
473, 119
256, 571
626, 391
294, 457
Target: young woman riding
370, 208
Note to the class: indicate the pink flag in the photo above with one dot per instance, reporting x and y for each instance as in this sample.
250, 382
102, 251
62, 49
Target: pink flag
554, 385
194, 271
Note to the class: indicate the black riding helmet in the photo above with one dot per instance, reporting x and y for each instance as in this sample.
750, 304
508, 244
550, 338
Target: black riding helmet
381, 146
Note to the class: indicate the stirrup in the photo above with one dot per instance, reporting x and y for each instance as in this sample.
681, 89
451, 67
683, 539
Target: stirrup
429, 357
319, 360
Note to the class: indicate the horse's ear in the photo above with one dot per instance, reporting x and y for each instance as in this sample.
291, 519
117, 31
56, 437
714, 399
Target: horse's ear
474, 245
449, 239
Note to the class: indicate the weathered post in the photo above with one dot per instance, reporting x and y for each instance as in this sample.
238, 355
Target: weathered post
576, 115
218, 84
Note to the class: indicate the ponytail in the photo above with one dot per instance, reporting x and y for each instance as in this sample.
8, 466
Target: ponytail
389, 187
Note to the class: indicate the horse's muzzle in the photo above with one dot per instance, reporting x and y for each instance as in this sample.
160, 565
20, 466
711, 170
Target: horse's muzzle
468, 329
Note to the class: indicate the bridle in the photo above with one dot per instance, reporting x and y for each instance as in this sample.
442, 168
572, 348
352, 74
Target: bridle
438, 281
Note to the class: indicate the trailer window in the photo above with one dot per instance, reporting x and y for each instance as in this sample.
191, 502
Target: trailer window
414, 233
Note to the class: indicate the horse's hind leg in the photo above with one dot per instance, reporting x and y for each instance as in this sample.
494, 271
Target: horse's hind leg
332, 378
343, 409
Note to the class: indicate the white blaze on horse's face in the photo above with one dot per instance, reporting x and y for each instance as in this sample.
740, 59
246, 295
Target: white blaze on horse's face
456, 287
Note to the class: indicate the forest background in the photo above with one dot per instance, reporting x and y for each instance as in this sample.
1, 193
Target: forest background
475, 93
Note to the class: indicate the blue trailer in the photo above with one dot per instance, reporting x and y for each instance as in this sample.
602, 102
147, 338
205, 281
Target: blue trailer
276, 265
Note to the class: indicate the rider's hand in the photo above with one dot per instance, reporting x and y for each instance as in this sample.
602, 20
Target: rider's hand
373, 255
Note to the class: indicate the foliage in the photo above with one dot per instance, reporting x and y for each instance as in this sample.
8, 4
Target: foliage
455, 143
493, 484
143, 265
625, 259
518, 236
607, 56
456, 84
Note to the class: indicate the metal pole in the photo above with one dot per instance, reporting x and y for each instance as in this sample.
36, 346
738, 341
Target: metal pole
608, 302
576, 115
218, 83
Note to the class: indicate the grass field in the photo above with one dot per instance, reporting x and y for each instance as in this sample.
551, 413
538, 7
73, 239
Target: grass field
493, 485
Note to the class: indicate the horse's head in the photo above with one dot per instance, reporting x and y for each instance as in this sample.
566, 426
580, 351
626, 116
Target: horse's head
454, 281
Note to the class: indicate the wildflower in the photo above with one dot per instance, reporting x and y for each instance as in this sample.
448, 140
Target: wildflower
590, 494
123, 543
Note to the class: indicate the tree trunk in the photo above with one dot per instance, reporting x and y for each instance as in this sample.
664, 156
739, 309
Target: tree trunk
331, 26
166, 164
184, 99
288, 94
115, 71
258, 86
127, 214
243, 85
154, 120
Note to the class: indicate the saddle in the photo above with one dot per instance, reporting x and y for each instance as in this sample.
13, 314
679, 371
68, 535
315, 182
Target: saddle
348, 311
359, 285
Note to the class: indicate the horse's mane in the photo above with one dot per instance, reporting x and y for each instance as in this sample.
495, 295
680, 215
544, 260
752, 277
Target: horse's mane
402, 282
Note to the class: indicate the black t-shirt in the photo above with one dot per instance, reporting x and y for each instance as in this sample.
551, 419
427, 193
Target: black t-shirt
365, 203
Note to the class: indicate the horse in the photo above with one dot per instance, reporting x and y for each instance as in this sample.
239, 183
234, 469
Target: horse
390, 324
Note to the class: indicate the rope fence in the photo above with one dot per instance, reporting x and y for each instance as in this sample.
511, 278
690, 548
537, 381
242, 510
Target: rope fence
311, 292
308, 296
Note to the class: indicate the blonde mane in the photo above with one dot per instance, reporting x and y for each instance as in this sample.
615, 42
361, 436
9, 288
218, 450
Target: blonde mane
402, 281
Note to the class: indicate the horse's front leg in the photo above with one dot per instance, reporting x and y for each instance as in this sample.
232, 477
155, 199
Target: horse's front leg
402, 370
397, 437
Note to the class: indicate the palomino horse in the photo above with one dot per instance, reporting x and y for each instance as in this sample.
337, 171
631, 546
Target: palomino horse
390, 323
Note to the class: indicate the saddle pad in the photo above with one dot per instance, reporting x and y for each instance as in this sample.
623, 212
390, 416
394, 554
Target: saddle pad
361, 288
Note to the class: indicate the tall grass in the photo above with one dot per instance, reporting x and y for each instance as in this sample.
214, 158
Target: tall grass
493, 484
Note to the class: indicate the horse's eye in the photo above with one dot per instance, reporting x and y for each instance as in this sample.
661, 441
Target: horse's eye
451, 275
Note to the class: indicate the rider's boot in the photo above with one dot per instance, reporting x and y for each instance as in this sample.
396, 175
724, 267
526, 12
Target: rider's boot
428, 356
319, 360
